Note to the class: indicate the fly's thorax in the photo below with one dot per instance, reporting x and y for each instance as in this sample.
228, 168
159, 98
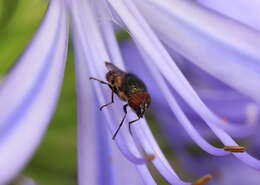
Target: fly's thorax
139, 102
115, 78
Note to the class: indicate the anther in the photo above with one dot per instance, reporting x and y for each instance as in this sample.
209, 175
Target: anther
202, 180
149, 157
234, 148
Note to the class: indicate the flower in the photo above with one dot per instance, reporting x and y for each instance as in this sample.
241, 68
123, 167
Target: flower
30, 90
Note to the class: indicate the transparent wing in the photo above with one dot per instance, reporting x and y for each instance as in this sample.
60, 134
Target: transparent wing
112, 67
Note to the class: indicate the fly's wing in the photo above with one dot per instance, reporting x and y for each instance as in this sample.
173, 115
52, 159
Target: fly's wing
112, 67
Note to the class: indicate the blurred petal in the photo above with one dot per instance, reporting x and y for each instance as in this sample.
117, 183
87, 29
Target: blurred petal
122, 8
30, 91
199, 29
171, 72
242, 11
151, 47
225, 170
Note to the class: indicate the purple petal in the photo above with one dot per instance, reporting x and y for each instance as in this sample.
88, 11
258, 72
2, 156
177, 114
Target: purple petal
94, 144
242, 11
182, 86
181, 117
160, 164
237, 49
95, 53
151, 46
30, 92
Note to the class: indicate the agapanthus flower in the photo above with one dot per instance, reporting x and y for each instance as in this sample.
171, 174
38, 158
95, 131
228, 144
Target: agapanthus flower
169, 35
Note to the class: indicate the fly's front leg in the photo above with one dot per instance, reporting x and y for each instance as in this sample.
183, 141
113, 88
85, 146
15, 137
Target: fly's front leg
112, 100
110, 86
100, 81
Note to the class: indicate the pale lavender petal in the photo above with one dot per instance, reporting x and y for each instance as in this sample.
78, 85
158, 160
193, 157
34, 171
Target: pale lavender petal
160, 105
241, 10
95, 53
227, 170
181, 117
114, 52
235, 173
108, 34
100, 69
87, 156
149, 144
28, 123
141, 168
14, 90
176, 78
232, 54
238, 108
97, 164
143, 35
227, 140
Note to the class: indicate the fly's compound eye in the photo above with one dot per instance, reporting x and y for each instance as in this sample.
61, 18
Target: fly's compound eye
143, 108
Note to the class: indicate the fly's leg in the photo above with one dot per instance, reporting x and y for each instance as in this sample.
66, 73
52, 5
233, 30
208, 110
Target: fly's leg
131, 122
112, 100
110, 86
121, 123
101, 81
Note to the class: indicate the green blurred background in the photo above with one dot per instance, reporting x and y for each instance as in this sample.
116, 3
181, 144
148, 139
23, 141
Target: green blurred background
55, 160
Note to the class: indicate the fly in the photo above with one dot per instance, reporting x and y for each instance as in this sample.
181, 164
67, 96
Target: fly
128, 87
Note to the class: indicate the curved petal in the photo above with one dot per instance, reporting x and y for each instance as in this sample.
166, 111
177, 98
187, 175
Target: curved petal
28, 115
182, 86
242, 11
160, 164
94, 145
237, 49
199, 140
95, 53
143, 35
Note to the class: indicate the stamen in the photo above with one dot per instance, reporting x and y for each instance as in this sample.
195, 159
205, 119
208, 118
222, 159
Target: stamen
149, 157
235, 148
202, 180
